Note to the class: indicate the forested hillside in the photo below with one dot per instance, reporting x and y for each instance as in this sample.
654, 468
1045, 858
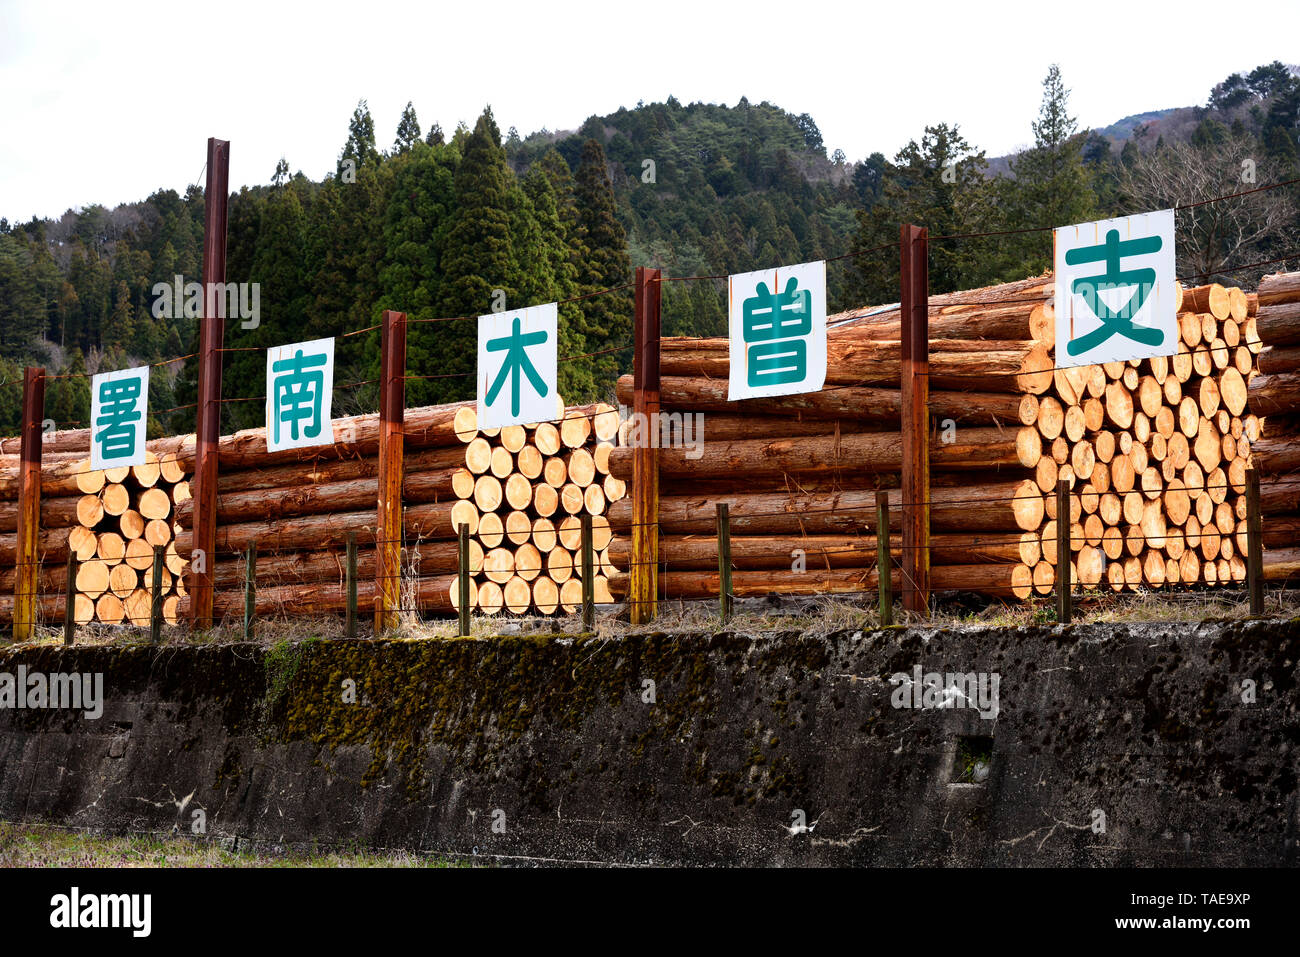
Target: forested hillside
434, 225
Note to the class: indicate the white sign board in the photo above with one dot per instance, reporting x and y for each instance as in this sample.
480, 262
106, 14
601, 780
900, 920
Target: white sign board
119, 409
517, 366
777, 324
299, 389
1115, 290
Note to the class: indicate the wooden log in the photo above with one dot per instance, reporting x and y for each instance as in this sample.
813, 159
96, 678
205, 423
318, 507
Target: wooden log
436, 594
1279, 325
974, 448
436, 521
993, 507
840, 402
817, 552
546, 500
1213, 299
994, 580
547, 438
976, 364
1277, 394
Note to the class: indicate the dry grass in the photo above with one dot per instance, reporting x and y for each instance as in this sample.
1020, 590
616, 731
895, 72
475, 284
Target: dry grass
816, 615
40, 845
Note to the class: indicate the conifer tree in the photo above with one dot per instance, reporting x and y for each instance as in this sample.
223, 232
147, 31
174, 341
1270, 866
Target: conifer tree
408, 130
1050, 184
600, 249
475, 258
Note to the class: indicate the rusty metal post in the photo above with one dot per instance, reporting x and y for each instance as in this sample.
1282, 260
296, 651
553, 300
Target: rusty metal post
1254, 544
27, 557
643, 592
914, 307
207, 427
392, 423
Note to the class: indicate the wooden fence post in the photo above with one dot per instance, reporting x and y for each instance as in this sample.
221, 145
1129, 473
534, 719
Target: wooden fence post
724, 561
1254, 544
207, 428
250, 589
914, 308
588, 574
462, 578
27, 557
155, 588
883, 571
643, 592
350, 627
1064, 587
70, 601
392, 416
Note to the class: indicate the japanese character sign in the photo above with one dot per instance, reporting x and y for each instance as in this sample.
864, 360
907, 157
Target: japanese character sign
299, 388
1115, 290
119, 408
517, 366
777, 324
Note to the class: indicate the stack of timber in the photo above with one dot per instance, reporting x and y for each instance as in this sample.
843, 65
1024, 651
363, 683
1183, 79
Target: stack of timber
1275, 396
531, 487
112, 519
297, 508
1154, 453
799, 473
520, 490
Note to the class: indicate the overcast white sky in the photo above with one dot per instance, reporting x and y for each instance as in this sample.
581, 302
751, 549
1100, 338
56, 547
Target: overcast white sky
106, 102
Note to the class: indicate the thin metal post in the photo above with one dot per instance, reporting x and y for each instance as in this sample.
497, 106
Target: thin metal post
883, 571
462, 581
914, 306
250, 589
1064, 598
70, 601
208, 410
351, 625
156, 590
724, 561
1254, 544
588, 574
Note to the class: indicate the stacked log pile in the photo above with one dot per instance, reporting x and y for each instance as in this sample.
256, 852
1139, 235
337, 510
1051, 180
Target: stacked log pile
799, 473
520, 490
1154, 453
111, 519
1275, 396
532, 485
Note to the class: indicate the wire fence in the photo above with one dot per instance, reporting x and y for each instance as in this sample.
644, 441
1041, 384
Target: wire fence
855, 568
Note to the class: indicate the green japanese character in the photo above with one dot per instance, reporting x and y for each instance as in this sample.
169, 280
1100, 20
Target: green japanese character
298, 394
769, 315
1110, 252
516, 361
118, 413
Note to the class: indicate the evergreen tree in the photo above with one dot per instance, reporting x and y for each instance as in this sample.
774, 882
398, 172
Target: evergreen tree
476, 257
1051, 185
599, 246
938, 183
408, 130
360, 147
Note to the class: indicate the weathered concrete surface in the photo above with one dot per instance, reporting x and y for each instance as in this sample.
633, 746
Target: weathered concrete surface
553, 739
